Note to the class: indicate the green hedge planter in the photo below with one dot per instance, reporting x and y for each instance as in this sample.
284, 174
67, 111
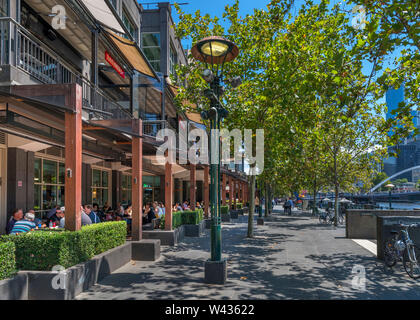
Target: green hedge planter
184, 217
224, 209
42, 250
7, 260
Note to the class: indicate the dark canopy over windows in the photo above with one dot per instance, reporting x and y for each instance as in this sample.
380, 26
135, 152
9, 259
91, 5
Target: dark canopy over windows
4, 8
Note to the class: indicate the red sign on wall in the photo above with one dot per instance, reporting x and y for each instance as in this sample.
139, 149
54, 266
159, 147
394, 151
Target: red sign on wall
114, 64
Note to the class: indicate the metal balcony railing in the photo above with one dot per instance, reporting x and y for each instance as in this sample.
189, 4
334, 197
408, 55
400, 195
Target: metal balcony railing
152, 127
18, 47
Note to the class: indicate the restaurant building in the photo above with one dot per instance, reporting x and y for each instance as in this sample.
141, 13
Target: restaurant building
84, 88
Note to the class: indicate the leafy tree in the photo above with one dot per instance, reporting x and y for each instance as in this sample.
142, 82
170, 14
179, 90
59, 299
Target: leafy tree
379, 177
304, 82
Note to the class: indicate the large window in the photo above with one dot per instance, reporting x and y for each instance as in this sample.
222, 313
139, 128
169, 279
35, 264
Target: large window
126, 188
150, 44
114, 4
151, 189
129, 25
173, 60
49, 178
100, 186
4, 8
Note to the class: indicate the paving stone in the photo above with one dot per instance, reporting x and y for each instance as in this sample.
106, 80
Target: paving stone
290, 257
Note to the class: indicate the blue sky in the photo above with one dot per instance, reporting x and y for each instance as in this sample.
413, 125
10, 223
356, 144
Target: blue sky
216, 8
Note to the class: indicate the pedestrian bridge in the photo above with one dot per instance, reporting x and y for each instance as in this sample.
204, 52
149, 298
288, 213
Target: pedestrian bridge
392, 177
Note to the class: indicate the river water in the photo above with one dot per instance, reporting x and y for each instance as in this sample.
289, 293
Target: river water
400, 205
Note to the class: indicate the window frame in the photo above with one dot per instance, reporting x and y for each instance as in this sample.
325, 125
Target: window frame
152, 62
173, 55
7, 12
101, 188
126, 16
41, 184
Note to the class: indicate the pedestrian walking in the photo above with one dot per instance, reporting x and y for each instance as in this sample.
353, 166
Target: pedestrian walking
257, 204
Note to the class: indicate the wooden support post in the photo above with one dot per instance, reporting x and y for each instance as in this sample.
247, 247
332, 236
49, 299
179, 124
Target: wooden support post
206, 186
192, 187
137, 183
169, 183
224, 189
73, 162
230, 193
234, 193
243, 194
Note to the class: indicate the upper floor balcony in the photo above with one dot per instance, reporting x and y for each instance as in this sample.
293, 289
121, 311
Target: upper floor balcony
19, 48
34, 60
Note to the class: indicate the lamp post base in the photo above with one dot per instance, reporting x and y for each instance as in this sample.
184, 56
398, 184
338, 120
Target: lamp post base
215, 272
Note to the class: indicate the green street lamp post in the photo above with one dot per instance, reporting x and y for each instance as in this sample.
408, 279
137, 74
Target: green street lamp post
390, 187
215, 52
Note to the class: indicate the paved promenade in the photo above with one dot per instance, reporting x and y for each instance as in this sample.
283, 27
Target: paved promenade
289, 258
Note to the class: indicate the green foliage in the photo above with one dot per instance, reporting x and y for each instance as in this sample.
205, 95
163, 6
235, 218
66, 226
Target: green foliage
399, 182
378, 178
183, 217
7, 260
224, 209
192, 217
42, 250
239, 205
315, 84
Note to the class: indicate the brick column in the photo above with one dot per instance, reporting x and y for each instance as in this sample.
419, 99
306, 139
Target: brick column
223, 189
137, 182
73, 162
192, 186
230, 193
234, 193
169, 183
243, 194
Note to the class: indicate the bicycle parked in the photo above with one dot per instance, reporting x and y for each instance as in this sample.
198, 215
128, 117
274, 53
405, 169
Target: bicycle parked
401, 247
328, 217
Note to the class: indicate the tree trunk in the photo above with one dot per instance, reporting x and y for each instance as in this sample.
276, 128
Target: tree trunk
336, 191
336, 206
266, 200
251, 202
314, 203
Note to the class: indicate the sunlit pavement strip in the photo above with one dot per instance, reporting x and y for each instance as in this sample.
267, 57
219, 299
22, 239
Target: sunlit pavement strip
291, 257
368, 245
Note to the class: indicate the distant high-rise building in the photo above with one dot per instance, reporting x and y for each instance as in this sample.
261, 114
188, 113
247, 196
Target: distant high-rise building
393, 99
409, 150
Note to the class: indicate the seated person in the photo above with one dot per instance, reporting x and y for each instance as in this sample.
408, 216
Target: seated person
178, 207
24, 225
98, 212
146, 213
85, 218
52, 216
62, 218
106, 207
162, 206
37, 221
128, 212
17, 215
91, 214
157, 210
109, 216
185, 205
